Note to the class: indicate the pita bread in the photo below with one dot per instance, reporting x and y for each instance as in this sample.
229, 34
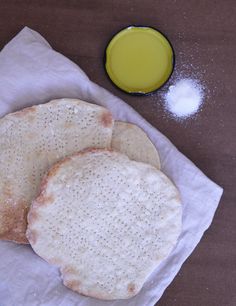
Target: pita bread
106, 221
129, 139
31, 141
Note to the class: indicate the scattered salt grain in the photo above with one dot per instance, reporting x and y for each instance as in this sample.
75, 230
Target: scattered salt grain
184, 98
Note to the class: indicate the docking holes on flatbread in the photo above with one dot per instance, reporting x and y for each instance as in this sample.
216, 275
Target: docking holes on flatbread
33, 139
106, 221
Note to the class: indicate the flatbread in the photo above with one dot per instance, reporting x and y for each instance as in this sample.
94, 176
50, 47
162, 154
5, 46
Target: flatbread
106, 221
131, 140
31, 141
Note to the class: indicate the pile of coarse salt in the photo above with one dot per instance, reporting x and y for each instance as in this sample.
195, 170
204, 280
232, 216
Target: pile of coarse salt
184, 98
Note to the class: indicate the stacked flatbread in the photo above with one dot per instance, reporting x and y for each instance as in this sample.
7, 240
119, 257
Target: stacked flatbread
31, 141
91, 189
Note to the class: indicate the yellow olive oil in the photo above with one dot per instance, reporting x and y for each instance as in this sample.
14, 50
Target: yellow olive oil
139, 59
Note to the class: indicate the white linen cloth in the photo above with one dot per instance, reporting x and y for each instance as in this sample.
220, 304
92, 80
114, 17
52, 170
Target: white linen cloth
31, 72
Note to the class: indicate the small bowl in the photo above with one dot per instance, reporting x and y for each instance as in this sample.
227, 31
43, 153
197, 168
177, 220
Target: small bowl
139, 60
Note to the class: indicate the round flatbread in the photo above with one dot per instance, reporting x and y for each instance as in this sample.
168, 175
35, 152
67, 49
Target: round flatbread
131, 140
106, 221
31, 141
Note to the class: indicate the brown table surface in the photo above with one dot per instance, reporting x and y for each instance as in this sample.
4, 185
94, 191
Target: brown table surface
204, 37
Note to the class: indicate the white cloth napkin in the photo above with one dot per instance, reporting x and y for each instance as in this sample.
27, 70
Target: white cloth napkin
31, 72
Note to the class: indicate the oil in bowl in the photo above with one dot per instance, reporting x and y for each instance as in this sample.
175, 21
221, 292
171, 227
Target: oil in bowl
139, 60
